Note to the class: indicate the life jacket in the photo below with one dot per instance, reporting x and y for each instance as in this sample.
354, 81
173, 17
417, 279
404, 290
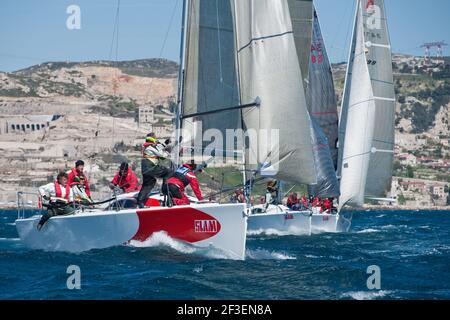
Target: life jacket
181, 175
145, 146
58, 190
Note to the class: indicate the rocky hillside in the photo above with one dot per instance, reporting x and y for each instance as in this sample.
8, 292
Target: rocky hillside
114, 88
423, 94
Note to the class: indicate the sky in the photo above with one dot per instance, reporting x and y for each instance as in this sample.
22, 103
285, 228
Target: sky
35, 31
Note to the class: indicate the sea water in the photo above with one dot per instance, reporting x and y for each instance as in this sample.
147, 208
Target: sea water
411, 250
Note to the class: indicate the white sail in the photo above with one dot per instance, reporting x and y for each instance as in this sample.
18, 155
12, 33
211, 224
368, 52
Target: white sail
269, 69
368, 109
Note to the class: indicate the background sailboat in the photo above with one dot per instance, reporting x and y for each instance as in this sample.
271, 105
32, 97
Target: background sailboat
322, 106
269, 68
271, 58
366, 136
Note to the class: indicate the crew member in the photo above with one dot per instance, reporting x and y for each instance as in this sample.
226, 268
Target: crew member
78, 172
79, 191
293, 201
58, 196
316, 202
305, 202
238, 196
184, 176
272, 192
125, 179
327, 205
155, 164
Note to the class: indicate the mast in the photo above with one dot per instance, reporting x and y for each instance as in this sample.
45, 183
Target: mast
247, 190
179, 112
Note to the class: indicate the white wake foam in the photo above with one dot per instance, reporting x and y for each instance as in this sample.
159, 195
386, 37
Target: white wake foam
260, 254
9, 239
366, 295
368, 231
162, 239
278, 233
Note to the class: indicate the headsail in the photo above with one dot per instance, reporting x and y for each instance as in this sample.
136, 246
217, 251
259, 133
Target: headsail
322, 107
327, 183
210, 81
368, 109
269, 69
321, 96
301, 12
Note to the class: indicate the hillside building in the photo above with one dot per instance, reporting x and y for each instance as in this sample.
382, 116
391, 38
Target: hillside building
25, 124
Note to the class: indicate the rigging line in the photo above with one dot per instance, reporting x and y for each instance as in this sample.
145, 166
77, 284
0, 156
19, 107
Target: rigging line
116, 17
169, 28
163, 46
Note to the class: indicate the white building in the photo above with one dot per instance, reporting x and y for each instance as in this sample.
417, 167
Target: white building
146, 115
408, 159
25, 124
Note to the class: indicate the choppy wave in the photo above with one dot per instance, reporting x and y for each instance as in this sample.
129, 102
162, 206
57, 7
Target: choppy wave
410, 248
366, 295
261, 254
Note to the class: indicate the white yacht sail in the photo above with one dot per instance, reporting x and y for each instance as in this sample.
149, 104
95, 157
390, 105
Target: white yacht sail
368, 110
269, 69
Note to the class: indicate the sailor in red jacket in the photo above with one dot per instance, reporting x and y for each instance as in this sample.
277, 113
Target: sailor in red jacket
327, 205
305, 202
125, 179
184, 176
293, 201
78, 172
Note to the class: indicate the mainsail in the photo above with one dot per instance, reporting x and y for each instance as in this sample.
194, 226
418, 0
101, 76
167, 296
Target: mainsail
269, 69
368, 110
210, 79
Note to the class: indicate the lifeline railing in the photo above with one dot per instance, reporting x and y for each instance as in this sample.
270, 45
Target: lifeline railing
24, 205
